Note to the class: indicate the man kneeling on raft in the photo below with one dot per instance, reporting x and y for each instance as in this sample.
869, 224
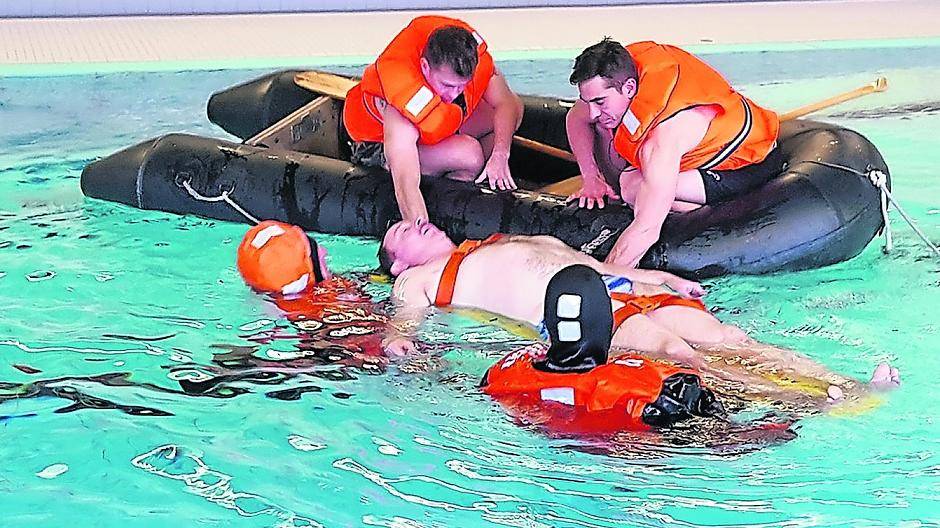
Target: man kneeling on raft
540, 280
668, 132
433, 104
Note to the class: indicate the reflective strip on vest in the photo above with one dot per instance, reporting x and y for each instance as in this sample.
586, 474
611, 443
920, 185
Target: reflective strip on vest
558, 394
630, 121
419, 101
735, 143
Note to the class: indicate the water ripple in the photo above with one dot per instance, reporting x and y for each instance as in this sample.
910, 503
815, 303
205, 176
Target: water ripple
39, 276
178, 463
147, 349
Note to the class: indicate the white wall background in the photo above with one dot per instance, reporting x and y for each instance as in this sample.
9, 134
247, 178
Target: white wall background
71, 8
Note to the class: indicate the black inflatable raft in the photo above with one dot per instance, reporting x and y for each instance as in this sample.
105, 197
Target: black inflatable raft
292, 166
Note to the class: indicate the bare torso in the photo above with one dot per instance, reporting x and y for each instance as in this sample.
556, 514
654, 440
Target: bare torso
508, 277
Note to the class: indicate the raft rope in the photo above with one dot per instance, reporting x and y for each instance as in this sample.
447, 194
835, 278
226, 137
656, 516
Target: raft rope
879, 179
224, 197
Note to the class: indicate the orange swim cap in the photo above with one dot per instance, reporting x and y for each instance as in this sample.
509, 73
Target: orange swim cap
278, 257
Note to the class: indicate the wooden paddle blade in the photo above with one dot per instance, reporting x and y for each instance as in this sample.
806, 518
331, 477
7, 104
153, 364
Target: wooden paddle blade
330, 84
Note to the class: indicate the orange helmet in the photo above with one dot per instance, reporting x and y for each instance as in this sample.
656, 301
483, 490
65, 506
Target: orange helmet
279, 257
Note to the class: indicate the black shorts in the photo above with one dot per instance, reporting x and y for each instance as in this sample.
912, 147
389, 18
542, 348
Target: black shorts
368, 154
723, 185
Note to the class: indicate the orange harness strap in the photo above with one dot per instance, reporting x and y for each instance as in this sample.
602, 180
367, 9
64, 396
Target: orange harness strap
641, 304
445, 289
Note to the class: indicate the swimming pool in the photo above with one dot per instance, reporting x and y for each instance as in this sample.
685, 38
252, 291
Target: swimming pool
108, 308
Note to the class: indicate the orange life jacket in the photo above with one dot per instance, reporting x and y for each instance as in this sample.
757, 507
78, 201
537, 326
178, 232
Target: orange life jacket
336, 313
396, 78
643, 304
445, 289
608, 398
671, 80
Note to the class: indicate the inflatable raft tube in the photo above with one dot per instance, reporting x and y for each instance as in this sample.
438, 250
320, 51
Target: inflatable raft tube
810, 215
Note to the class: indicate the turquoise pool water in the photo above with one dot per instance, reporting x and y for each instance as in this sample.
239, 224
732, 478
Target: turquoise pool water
108, 311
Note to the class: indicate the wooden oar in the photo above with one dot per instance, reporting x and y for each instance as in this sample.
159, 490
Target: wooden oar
571, 185
880, 85
337, 86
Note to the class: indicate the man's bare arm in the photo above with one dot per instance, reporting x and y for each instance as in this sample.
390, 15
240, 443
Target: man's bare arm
659, 156
507, 113
412, 305
581, 132
683, 287
401, 151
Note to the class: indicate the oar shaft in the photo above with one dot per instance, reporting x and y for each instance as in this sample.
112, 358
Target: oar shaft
337, 86
880, 85
543, 148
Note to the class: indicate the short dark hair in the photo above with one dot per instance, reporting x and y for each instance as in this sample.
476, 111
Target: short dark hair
385, 258
454, 46
607, 59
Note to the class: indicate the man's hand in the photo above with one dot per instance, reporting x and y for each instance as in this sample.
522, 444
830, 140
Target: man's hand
628, 251
686, 288
399, 346
497, 172
593, 190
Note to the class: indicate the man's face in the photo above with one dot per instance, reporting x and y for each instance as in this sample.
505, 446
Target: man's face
606, 104
415, 243
443, 81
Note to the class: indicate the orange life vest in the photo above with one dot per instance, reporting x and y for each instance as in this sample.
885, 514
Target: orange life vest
671, 80
608, 398
445, 289
396, 78
643, 304
336, 313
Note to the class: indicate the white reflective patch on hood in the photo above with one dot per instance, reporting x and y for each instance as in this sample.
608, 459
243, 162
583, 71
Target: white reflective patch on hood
569, 331
266, 234
297, 286
569, 306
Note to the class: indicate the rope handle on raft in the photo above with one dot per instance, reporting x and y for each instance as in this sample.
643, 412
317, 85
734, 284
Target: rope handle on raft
224, 197
879, 179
